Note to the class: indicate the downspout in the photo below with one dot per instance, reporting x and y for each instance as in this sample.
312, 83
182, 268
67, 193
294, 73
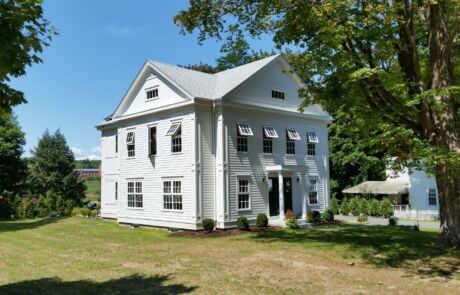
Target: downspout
214, 148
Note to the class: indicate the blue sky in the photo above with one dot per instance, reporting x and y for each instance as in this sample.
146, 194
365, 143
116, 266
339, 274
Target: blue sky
90, 65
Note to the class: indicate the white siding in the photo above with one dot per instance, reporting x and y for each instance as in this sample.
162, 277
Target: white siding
109, 173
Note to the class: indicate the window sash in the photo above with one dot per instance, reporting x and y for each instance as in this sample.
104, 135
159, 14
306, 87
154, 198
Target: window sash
173, 129
130, 137
135, 196
152, 93
245, 129
278, 94
176, 141
313, 192
311, 149
172, 196
290, 145
116, 143
432, 197
153, 140
293, 134
267, 145
241, 141
244, 196
312, 138
270, 132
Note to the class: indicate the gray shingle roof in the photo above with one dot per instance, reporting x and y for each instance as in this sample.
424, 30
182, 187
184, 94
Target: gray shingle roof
211, 86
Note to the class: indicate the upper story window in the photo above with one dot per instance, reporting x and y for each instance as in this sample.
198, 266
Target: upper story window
244, 200
290, 145
152, 93
312, 140
268, 134
278, 94
432, 197
131, 143
176, 137
313, 192
152, 140
242, 133
172, 195
135, 197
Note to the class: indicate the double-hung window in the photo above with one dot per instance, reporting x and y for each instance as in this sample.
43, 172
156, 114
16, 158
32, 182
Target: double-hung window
243, 131
152, 93
291, 137
313, 192
172, 195
135, 199
268, 134
312, 140
244, 201
131, 144
432, 197
152, 140
176, 137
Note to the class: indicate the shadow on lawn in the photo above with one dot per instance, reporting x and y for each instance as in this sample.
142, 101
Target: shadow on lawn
379, 245
6, 226
135, 284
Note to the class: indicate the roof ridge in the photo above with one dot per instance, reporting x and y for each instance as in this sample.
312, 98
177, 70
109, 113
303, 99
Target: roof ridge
179, 67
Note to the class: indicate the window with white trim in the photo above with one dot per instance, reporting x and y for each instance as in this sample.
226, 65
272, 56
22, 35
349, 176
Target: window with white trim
311, 149
242, 139
432, 197
152, 140
175, 131
293, 134
131, 144
173, 128
313, 192
152, 93
135, 198
312, 140
172, 195
270, 132
290, 144
116, 190
277, 94
244, 197
245, 129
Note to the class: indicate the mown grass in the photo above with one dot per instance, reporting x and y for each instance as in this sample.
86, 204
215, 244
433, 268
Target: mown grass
82, 256
93, 189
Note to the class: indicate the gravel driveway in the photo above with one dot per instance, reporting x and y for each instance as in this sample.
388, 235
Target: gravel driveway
384, 221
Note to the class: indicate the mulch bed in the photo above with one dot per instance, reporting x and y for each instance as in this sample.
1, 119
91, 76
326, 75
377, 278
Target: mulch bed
221, 232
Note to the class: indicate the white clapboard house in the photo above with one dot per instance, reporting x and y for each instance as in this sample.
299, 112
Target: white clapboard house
184, 145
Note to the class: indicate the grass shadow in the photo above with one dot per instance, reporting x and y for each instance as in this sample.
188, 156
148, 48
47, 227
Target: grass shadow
15, 225
378, 245
135, 284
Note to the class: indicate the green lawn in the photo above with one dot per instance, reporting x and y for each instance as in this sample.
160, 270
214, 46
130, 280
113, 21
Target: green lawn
82, 256
93, 189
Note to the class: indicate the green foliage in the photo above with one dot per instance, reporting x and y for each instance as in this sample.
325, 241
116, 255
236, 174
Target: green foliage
386, 208
52, 166
24, 34
262, 220
12, 139
354, 206
42, 211
60, 207
362, 218
242, 223
28, 208
76, 211
291, 222
94, 213
335, 206
87, 164
313, 216
328, 215
204, 68
345, 207
85, 212
392, 221
69, 206
374, 208
363, 206
50, 202
17, 207
208, 224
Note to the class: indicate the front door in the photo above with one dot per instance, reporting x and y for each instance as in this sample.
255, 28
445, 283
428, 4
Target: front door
287, 184
273, 196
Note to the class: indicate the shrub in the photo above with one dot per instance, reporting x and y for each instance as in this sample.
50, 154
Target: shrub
289, 214
262, 220
363, 206
28, 208
374, 208
69, 205
386, 208
313, 216
354, 206
208, 224
291, 222
60, 207
17, 205
392, 221
5, 207
93, 213
76, 211
335, 206
362, 218
85, 212
242, 223
345, 207
41, 208
328, 215
50, 202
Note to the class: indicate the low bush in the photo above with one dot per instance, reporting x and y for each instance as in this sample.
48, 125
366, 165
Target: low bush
41, 208
393, 221
291, 222
328, 215
208, 224
69, 205
28, 208
242, 223
374, 208
354, 206
262, 220
60, 207
76, 211
85, 212
363, 206
362, 218
386, 208
289, 214
345, 207
93, 213
335, 206
313, 216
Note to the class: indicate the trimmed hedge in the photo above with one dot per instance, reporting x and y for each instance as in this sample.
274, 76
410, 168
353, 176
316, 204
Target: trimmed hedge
242, 223
208, 224
328, 215
262, 220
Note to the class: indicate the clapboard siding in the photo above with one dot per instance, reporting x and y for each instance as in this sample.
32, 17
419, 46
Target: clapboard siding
109, 173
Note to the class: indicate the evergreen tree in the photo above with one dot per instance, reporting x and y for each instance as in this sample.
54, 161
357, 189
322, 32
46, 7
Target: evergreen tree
374, 208
386, 208
345, 207
41, 207
50, 203
354, 206
53, 166
335, 206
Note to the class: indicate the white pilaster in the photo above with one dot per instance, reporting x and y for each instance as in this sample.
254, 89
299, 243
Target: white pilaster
281, 194
303, 195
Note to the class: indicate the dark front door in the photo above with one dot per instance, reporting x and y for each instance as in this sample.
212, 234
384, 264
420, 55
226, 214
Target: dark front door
287, 184
273, 196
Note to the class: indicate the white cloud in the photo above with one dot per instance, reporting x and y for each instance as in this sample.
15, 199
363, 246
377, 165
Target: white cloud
126, 30
90, 157
77, 152
80, 154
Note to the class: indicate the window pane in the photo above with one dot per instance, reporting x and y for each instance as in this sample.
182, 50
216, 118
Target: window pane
270, 132
293, 134
312, 138
245, 129
130, 137
173, 129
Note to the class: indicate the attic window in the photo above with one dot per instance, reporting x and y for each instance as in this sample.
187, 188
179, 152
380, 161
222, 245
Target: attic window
270, 132
277, 94
173, 129
245, 129
152, 93
293, 134
312, 138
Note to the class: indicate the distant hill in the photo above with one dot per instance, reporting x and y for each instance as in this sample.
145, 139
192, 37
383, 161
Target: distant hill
85, 164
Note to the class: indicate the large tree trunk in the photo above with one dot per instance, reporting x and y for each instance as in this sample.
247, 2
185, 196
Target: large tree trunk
445, 133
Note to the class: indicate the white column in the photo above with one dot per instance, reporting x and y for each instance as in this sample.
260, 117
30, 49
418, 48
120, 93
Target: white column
302, 193
281, 194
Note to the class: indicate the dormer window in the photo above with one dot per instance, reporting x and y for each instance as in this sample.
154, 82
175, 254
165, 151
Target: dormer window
152, 93
277, 94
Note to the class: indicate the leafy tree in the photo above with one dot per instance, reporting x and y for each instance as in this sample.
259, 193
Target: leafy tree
12, 167
205, 68
345, 207
335, 206
69, 205
60, 206
374, 208
28, 208
17, 206
386, 208
394, 64
53, 168
25, 32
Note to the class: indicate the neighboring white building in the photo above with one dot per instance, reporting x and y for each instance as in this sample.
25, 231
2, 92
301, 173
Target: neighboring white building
184, 145
414, 194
